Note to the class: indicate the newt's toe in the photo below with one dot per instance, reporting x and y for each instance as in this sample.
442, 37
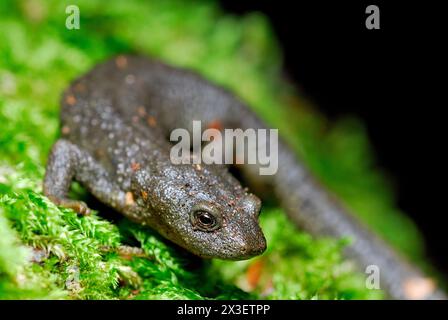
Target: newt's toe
81, 208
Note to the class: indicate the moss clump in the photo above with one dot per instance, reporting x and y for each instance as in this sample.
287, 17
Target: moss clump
50, 252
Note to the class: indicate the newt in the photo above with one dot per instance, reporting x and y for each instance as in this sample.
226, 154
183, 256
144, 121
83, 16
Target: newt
115, 124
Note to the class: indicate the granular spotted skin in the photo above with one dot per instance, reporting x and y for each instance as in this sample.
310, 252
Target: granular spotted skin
116, 122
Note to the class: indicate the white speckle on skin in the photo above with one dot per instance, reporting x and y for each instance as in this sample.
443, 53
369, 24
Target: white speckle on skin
130, 79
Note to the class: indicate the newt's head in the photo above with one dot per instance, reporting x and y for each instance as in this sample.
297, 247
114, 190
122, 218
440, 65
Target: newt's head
201, 208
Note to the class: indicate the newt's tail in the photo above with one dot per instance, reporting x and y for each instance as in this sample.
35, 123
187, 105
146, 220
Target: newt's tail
313, 209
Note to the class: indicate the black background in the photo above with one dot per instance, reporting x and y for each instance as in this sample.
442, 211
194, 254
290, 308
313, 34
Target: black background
390, 78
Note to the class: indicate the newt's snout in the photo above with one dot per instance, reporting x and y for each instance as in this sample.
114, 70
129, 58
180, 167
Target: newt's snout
253, 248
249, 240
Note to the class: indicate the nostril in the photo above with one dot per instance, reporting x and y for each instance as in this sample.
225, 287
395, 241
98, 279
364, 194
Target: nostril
254, 248
261, 247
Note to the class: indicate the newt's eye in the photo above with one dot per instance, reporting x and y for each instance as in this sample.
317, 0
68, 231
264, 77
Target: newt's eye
204, 219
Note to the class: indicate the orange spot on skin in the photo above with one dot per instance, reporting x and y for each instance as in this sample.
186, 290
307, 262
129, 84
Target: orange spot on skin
99, 152
65, 130
80, 87
253, 273
135, 166
419, 288
141, 111
70, 100
144, 195
121, 62
152, 121
215, 124
129, 199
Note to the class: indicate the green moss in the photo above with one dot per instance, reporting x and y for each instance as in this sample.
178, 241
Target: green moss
50, 252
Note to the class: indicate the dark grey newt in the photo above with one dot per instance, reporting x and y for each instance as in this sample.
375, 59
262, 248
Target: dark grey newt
116, 121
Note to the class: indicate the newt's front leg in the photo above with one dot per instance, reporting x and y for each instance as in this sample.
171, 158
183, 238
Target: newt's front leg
67, 162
